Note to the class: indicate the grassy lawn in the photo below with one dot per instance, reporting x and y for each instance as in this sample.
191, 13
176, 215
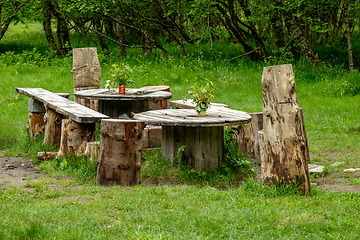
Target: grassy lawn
195, 209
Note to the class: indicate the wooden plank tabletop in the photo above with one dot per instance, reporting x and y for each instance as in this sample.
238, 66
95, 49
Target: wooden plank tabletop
130, 94
188, 104
73, 110
215, 116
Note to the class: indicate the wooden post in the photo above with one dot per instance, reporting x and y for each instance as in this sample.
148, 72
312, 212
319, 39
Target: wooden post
53, 127
87, 73
120, 152
92, 151
284, 150
36, 117
248, 138
75, 136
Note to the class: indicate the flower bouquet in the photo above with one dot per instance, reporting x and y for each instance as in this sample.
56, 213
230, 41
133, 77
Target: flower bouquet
201, 95
120, 76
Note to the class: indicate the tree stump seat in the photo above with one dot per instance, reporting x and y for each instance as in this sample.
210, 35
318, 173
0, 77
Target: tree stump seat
68, 124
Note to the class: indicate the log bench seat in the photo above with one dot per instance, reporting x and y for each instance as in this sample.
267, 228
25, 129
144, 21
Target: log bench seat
67, 123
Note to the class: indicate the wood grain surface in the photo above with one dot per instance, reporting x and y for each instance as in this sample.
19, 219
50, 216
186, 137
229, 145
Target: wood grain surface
73, 110
131, 94
215, 116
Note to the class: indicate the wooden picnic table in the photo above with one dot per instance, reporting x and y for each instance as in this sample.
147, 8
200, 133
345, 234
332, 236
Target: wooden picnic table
202, 136
134, 100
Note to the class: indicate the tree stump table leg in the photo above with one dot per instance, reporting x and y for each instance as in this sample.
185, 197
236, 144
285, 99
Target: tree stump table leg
115, 109
203, 145
120, 152
75, 136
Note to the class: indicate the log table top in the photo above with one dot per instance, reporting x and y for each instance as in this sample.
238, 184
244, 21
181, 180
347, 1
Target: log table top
130, 94
134, 100
215, 116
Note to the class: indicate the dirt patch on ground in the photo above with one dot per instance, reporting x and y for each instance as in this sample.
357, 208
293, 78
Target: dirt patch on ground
18, 171
339, 182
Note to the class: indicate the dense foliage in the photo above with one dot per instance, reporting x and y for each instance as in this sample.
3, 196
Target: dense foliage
260, 29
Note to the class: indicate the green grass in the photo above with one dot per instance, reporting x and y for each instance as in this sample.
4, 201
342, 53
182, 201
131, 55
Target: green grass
328, 94
183, 212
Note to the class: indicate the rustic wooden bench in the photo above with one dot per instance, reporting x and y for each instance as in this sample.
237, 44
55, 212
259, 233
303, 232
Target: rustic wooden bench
68, 124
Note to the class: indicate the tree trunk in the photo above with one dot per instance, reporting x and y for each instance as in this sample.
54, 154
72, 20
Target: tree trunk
238, 33
75, 136
284, 150
12, 11
87, 73
47, 27
120, 152
348, 36
120, 33
62, 28
99, 29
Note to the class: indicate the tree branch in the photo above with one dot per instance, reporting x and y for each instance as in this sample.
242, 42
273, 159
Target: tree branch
242, 55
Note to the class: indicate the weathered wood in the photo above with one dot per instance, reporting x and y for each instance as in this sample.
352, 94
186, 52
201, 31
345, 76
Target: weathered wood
152, 136
53, 127
75, 136
35, 106
158, 104
36, 124
36, 115
202, 136
130, 95
114, 104
203, 146
155, 133
72, 110
215, 116
188, 104
284, 150
248, 137
90, 103
64, 95
46, 155
92, 151
157, 88
120, 152
86, 68
87, 74
115, 109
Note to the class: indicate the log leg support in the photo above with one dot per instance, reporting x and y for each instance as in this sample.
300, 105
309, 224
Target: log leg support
248, 138
75, 136
36, 117
120, 152
92, 150
53, 127
203, 145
